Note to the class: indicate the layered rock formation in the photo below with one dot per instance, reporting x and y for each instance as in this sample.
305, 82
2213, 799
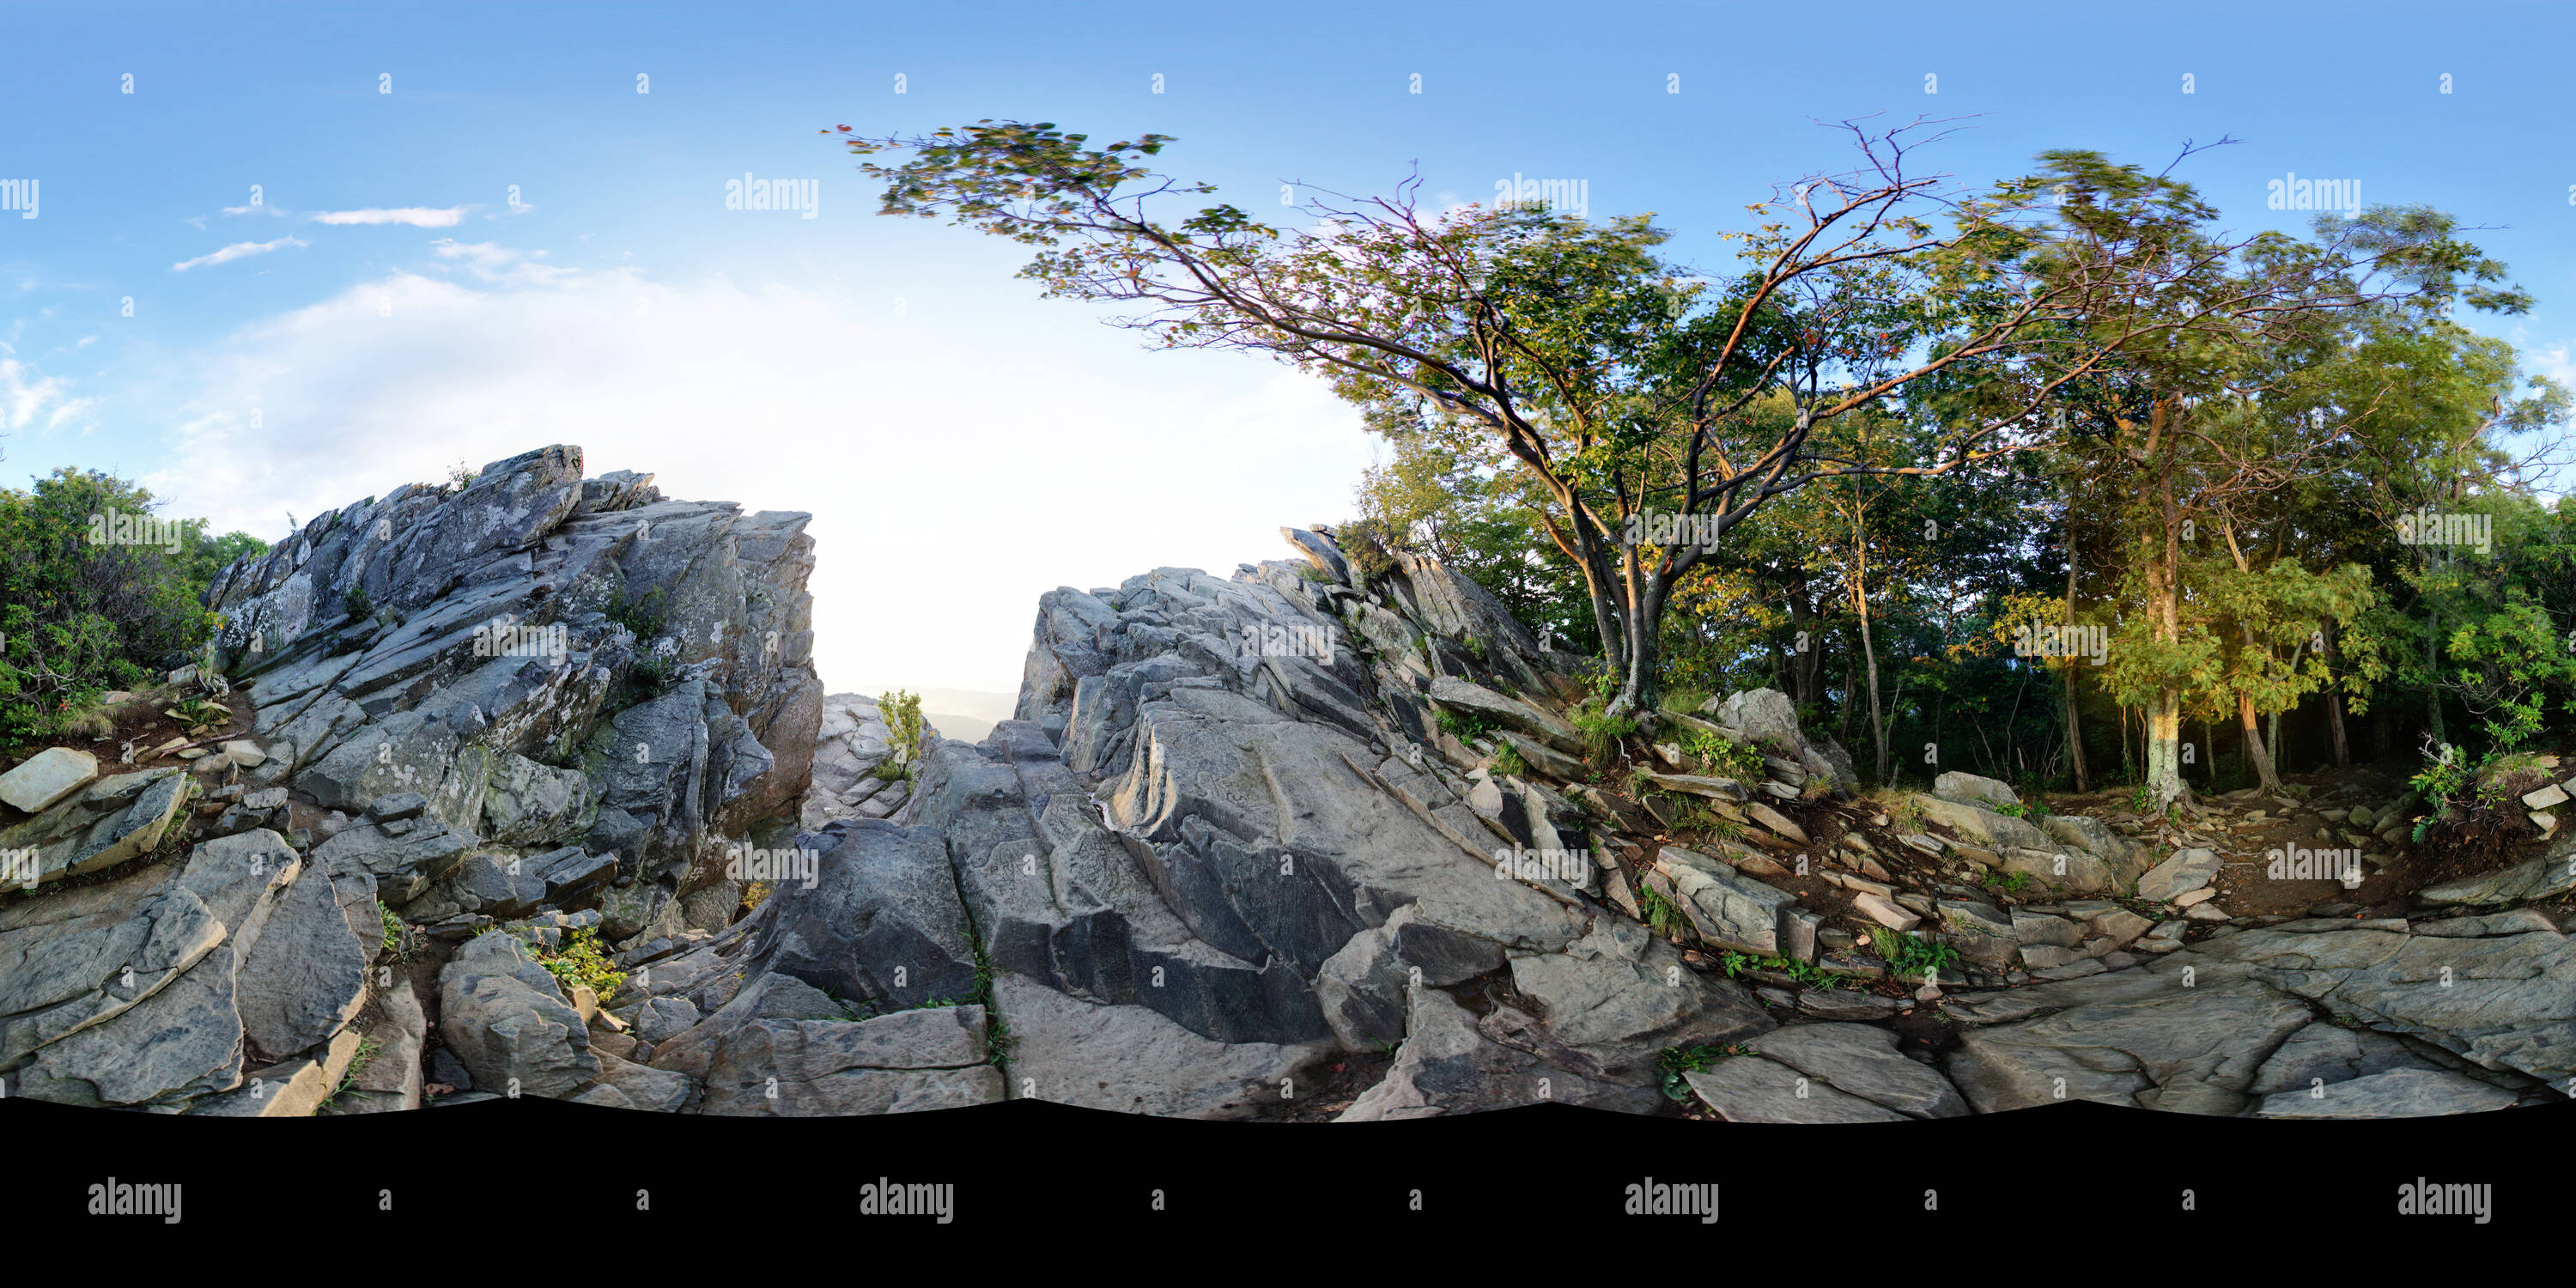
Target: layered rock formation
1304, 842
513, 700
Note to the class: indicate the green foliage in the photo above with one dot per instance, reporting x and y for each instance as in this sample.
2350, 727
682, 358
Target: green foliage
579, 961
394, 940
368, 1049
1539, 378
1724, 756
1464, 728
639, 614
2008, 883
1909, 954
1600, 734
901, 711
85, 609
357, 605
1663, 916
2444, 777
653, 671
1368, 545
1507, 760
1673, 1062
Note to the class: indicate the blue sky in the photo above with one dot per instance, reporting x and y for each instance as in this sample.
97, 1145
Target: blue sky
963, 445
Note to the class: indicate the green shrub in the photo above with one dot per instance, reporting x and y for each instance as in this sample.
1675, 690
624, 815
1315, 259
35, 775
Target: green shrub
641, 615
1910, 954
1723, 756
579, 961
901, 712
1464, 728
1507, 760
82, 611
1368, 547
356, 604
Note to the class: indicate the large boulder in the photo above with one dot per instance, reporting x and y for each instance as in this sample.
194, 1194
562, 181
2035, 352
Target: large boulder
46, 777
507, 1020
1972, 789
106, 823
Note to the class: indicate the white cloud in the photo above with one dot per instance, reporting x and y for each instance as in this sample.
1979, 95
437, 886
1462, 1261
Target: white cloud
493, 262
2555, 361
958, 464
29, 400
416, 216
238, 250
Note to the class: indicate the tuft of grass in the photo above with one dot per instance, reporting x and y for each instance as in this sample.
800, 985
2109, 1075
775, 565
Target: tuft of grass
1601, 734
1507, 760
367, 1049
1663, 916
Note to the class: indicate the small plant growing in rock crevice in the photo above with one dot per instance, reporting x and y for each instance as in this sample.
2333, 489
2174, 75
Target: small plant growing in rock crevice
1672, 1063
1909, 954
901, 711
357, 605
640, 614
579, 961
1663, 916
394, 940
1462, 727
1601, 734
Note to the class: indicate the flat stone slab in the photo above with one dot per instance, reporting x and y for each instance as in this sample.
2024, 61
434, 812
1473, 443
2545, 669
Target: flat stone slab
2186, 870
1862, 1059
2397, 1093
1885, 913
2546, 877
1751, 1089
1696, 785
46, 777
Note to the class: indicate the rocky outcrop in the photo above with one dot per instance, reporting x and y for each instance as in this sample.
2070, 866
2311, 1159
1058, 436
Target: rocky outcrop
477, 707
1227, 809
1320, 840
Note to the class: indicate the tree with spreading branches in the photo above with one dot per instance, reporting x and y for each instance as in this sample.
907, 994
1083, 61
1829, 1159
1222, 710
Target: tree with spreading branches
1654, 410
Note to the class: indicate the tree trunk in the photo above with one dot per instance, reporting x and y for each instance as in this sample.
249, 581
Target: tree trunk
2334, 707
1869, 650
2164, 747
1851, 690
2164, 710
2074, 729
2254, 749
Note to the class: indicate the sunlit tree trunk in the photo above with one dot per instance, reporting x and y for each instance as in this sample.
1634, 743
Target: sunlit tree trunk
2255, 752
2074, 729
